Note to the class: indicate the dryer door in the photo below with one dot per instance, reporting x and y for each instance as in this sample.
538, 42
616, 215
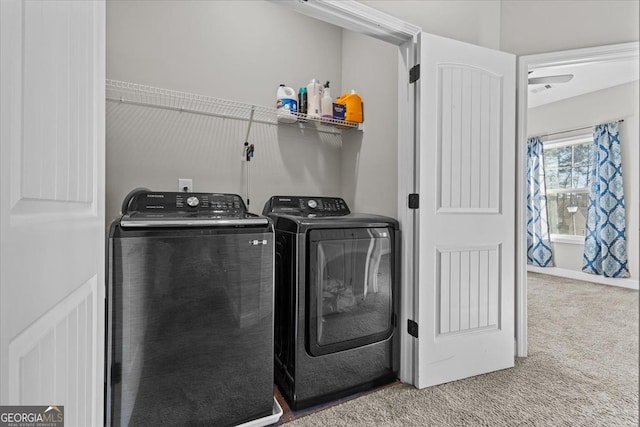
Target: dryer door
351, 288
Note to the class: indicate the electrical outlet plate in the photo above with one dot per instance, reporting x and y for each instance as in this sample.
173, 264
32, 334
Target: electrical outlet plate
185, 184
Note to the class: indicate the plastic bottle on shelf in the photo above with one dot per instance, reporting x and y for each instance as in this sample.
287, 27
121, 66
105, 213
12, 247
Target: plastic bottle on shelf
314, 96
302, 102
286, 104
326, 105
353, 103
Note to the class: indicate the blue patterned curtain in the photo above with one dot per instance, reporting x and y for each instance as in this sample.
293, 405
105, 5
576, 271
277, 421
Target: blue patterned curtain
539, 250
605, 251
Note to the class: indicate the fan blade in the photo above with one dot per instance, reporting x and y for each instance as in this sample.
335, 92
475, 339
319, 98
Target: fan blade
563, 78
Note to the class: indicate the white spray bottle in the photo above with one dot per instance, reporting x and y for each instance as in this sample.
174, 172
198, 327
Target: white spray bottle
314, 96
326, 106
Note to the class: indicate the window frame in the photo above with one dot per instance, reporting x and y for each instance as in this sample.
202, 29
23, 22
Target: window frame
559, 143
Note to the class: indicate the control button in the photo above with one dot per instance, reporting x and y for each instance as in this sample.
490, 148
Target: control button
193, 201
312, 204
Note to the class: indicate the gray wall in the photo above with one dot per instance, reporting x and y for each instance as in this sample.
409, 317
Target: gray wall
370, 159
226, 49
619, 102
237, 50
534, 26
471, 21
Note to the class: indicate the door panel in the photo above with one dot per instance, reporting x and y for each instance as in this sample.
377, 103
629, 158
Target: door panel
469, 104
51, 206
467, 290
467, 210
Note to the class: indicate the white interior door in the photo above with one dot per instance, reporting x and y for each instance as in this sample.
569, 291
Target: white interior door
467, 210
52, 206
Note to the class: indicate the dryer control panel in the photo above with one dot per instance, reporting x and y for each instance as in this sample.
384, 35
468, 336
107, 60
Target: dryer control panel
303, 205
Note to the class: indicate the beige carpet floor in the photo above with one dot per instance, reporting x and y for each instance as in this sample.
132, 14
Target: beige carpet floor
582, 370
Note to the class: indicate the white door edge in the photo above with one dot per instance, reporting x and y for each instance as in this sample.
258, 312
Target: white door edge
525, 64
407, 184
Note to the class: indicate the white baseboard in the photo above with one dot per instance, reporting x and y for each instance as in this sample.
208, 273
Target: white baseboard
579, 275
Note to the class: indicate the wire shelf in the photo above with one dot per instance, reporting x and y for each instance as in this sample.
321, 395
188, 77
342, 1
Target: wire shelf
149, 96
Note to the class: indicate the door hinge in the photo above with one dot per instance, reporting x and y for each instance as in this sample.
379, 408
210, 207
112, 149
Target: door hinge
414, 201
116, 373
412, 328
414, 73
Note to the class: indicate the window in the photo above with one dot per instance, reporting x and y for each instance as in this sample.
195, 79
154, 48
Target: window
566, 167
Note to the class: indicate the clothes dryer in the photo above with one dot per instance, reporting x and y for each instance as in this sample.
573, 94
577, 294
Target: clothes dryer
337, 277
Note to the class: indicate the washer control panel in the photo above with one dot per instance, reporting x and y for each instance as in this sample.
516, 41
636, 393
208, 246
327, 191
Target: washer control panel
315, 206
154, 201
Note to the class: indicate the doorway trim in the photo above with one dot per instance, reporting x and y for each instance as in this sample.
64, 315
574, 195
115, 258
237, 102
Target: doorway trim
525, 64
357, 17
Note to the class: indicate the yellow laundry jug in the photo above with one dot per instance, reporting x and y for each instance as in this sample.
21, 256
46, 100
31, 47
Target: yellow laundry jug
353, 103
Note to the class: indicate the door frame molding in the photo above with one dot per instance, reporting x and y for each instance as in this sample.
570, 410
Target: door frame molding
357, 17
525, 64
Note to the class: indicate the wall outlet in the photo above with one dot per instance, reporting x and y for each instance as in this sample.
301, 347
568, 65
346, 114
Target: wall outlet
185, 184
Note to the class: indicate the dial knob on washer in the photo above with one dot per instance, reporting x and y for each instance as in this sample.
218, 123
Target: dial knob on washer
193, 201
312, 204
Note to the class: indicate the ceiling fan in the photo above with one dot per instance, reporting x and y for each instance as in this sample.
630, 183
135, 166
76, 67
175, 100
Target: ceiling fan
548, 80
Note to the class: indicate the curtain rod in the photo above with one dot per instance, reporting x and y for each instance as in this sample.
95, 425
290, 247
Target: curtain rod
572, 130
